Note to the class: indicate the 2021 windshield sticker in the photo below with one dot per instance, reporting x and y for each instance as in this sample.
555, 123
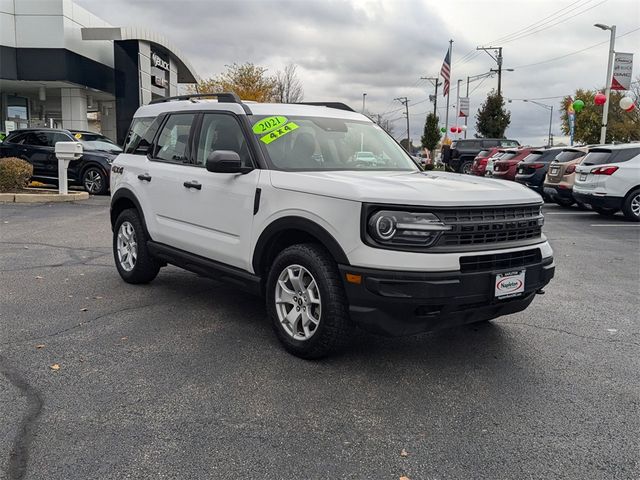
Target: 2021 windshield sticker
276, 134
267, 124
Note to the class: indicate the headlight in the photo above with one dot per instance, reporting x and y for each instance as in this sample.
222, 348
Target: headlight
397, 228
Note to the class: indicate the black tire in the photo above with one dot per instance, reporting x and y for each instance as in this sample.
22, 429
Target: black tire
145, 267
607, 212
95, 181
334, 329
564, 202
631, 205
582, 206
466, 167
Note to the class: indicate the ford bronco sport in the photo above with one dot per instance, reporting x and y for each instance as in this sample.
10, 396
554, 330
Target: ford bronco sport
274, 198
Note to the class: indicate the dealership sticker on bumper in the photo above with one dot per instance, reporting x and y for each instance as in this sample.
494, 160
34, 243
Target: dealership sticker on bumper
509, 284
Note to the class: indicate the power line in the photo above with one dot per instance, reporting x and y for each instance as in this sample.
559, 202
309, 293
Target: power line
574, 53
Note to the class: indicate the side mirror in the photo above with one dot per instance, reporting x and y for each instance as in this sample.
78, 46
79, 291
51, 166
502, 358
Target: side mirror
141, 150
226, 161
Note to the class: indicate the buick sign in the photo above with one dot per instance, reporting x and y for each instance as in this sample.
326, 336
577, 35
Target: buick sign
156, 61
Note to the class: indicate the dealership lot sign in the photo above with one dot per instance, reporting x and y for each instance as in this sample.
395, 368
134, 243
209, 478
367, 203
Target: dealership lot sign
622, 69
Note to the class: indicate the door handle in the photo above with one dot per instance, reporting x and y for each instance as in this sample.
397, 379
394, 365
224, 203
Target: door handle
145, 177
193, 184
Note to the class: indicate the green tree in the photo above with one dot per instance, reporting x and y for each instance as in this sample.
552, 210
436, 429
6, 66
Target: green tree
492, 119
431, 135
248, 81
621, 126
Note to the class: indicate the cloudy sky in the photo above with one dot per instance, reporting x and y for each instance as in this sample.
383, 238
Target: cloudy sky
382, 47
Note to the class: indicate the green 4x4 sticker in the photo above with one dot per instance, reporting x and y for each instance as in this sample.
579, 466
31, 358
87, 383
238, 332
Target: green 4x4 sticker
276, 134
267, 124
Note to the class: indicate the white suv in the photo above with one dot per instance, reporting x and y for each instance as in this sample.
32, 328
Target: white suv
608, 179
274, 198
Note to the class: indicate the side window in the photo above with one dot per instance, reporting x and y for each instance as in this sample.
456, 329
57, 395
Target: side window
221, 132
625, 154
54, 137
174, 139
490, 143
141, 133
17, 138
36, 139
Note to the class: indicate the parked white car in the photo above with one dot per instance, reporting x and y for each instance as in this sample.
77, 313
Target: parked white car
273, 198
608, 179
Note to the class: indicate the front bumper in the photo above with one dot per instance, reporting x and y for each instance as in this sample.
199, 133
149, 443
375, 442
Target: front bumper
403, 303
601, 201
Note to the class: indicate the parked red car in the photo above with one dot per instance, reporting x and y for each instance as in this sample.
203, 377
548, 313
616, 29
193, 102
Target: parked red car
506, 167
479, 166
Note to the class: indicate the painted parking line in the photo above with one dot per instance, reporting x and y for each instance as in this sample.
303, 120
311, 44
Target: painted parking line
615, 225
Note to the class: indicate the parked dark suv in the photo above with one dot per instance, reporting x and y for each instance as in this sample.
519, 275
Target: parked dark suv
37, 146
533, 169
464, 151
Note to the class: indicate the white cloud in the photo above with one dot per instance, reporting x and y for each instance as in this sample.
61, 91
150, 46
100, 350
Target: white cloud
344, 48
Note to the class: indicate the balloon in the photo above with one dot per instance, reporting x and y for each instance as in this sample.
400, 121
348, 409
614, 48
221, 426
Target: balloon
464, 127
627, 104
459, 129
454, 129
600, 99
578, 105
443, 129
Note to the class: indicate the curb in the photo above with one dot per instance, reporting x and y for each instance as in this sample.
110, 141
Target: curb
42, 197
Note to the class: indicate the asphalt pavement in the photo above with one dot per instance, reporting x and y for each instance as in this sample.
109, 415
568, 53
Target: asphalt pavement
184, 379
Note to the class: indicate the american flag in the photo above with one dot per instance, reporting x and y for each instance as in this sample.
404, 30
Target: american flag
445, 71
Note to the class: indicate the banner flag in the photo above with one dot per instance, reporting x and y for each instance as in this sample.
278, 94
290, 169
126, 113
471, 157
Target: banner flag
622, 70
464, 107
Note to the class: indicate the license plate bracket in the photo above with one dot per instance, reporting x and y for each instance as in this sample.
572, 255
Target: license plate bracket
583, 177
509, 284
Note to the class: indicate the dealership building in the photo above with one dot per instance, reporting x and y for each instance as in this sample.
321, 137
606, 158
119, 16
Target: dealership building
62, 66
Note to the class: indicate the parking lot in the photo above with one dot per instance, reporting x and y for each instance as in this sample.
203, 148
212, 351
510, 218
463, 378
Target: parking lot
183, 378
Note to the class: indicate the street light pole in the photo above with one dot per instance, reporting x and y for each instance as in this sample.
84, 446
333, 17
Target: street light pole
363, 98
547, 107
607, 91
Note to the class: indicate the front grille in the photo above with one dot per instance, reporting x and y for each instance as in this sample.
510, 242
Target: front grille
500, 261
484, 225
488, 214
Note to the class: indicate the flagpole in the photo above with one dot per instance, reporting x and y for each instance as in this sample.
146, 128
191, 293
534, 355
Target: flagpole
446, 117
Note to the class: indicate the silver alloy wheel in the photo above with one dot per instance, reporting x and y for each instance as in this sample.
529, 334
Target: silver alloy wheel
635, 205
93, 181
298, 303
127, 246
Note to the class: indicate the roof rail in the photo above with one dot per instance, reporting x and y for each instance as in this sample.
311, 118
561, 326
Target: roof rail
337, 105
223, 97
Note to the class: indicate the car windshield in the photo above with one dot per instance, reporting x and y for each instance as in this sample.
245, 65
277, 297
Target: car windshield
567, 156
94, 141
318, 143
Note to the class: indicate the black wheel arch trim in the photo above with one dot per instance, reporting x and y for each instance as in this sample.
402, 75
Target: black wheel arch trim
296, 223
125, 193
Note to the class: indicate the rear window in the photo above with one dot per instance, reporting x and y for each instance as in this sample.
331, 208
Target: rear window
483, 153
509, 143
601, 157
507, 156
533, 157
567, 156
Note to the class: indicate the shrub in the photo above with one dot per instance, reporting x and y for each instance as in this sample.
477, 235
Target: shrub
14, 174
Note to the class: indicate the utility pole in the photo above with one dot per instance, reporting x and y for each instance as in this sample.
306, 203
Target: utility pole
607, 91
405, 101
364, 95
436, 83
497, 57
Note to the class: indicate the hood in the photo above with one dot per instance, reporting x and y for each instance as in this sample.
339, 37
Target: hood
436, 189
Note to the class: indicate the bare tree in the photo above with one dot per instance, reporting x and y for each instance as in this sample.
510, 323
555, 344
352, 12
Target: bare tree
288, 87
382, 121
